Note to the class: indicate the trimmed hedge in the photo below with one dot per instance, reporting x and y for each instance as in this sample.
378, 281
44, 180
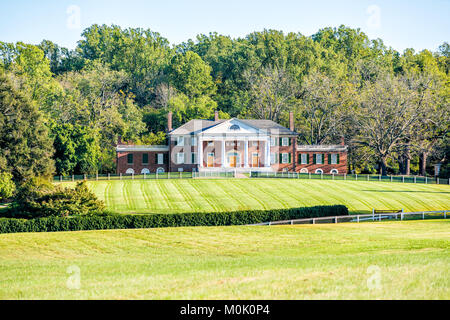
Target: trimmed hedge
54, 224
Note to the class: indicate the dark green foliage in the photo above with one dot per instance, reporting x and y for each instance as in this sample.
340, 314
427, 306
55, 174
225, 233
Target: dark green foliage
103, 222
76, 149
25, 146
39, 198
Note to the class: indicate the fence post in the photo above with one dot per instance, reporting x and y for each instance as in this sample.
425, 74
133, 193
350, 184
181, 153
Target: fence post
314, 221
60, 178
345, 176
423, 215
379, 217
403, 179
156, 174
415, 179
120, 176
391, 178
437, 180
333, 176
373, 214
73, 178
145, 175
321, 176
426, 179
96, 176
85, 178
445, 214
309, 174
357, 218
401, 216
379, 178
368, 178
292, 222
335, 219
356, 176
109, 176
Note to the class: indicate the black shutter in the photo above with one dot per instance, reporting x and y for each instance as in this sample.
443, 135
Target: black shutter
329, 158
307, 158
314, 159
338, 158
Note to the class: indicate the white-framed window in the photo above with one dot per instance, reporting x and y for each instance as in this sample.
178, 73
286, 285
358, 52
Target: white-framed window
273, 158
130, 171
194, 157
180, 141
285, 142
194, 141
273, 141
180, 158
319, 158
285, 158
334, 158
334, 171
319, 171
304, 158
145, 171
160, 158
304, 170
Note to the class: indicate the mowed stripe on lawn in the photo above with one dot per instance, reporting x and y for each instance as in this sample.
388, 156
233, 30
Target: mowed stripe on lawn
212, 195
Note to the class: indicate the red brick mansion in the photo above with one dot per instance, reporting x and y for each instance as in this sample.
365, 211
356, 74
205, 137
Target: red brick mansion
234, 144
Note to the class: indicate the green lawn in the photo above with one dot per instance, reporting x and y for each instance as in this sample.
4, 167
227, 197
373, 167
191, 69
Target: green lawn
208, 195
381, 260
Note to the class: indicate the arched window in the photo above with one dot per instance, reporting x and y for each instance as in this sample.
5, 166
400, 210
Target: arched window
145, 171
130, 171
334, 171
304, 170
319, 171
160, 170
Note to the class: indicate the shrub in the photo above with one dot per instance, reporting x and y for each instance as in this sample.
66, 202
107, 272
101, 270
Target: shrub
39, 198
7, 186
102, 222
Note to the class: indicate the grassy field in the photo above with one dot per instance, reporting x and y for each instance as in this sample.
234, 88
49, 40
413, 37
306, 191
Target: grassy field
382, 260
186, 195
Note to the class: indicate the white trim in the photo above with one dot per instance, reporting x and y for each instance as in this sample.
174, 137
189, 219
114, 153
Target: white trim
319, 171
160, 170
304, 170
334, 171
129, 171
145, 171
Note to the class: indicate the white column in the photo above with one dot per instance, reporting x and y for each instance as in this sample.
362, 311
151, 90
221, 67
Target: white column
246, 153
223, 152
268, 153
200, 153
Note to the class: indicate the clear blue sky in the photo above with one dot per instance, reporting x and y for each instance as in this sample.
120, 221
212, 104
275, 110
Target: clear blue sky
400, 23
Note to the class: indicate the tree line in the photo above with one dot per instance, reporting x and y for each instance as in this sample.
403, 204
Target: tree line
62, 110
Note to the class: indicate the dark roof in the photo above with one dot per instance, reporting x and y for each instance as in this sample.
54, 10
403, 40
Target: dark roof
195, 126
270, 126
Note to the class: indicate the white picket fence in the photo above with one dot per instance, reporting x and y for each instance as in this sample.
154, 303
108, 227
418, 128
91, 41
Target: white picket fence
442, 214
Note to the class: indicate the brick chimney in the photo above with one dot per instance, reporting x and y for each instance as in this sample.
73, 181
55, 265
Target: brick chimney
291, 121
342, 141
169, 121
216, 116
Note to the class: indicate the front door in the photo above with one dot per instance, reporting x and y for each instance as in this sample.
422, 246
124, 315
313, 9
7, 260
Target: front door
255, 160
210, 160
232, 161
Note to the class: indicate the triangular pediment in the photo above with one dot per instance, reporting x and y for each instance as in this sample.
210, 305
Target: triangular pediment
232, 127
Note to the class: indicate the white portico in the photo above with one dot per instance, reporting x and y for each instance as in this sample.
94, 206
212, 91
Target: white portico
234, 144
